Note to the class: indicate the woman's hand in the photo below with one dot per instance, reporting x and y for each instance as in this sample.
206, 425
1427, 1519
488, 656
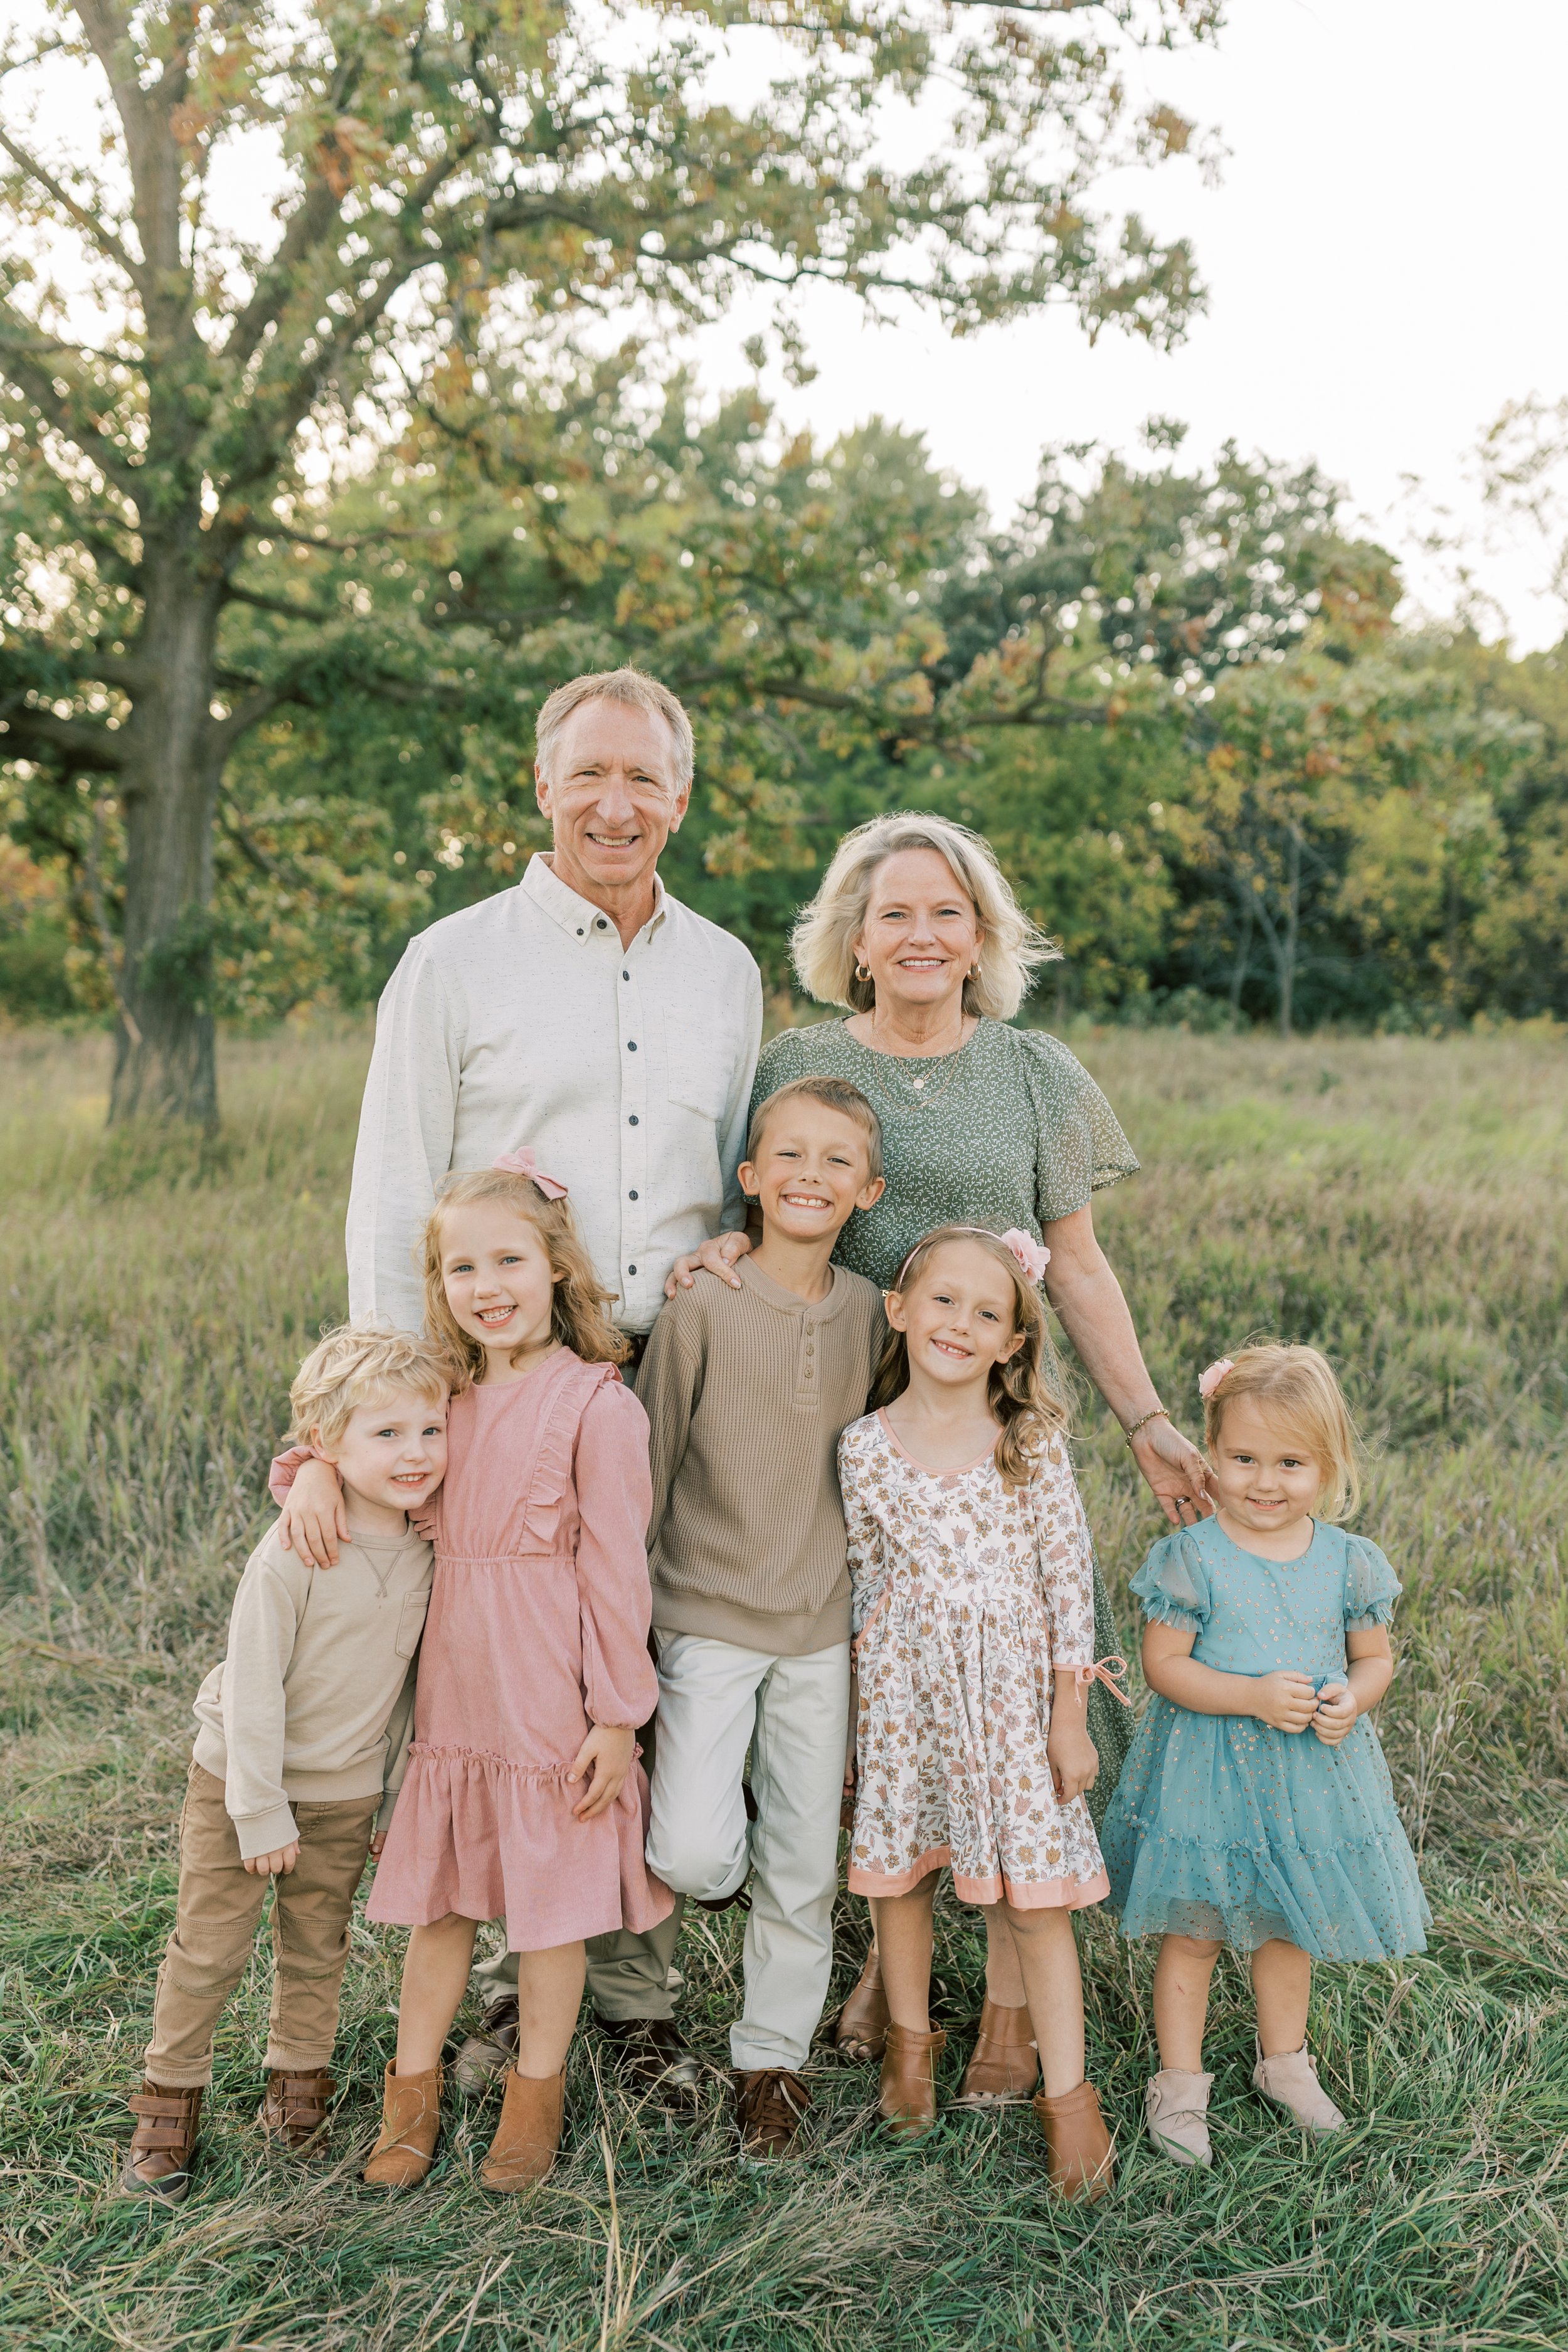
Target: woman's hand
606, 1756
314, 1520
1286, 1700
1177, 1472
273, 1865
378, 1845
718, 1255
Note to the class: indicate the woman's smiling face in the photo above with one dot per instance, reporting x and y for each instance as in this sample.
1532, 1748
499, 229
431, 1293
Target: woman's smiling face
921, 936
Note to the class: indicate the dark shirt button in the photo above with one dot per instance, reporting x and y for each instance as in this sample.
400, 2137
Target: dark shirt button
626, 975
602, 925
579, 931
631, 1269
631, 1196
631, 1045
632, 1120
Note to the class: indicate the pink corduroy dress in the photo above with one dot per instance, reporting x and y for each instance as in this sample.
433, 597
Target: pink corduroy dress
537, 1625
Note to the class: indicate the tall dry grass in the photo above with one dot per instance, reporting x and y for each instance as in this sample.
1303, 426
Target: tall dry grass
1399, 1202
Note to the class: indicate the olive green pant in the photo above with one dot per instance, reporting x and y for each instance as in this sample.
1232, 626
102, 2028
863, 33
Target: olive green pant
220, 1906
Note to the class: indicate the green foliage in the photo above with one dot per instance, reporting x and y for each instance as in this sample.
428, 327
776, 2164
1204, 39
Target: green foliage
1396, 1201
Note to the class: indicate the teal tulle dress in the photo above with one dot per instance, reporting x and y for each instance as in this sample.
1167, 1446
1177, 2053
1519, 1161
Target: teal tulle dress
1225, 1829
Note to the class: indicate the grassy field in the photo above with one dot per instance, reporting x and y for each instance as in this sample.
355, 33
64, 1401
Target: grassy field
1399, 1202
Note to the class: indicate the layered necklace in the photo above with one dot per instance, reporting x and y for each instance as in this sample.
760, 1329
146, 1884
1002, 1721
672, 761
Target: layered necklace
923, 1093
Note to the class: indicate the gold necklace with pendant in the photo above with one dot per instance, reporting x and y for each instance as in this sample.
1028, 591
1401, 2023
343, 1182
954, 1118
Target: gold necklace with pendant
922, 1101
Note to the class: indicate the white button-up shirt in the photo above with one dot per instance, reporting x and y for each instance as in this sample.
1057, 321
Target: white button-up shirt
628, 1070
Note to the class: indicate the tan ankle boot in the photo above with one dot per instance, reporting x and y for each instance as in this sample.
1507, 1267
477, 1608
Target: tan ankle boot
528, 2135
908, 2100
861, 2033
1078, 2145
1291, 2080
158, 2161
410, 2123
1004, 2065
1176, 2106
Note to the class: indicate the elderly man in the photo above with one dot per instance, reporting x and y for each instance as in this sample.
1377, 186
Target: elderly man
590, 1015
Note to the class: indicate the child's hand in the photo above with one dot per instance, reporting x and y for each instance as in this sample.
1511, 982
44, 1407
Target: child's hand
607, 1757
423, 1523
1337, 1712
314, 1520
378, 1845
1072, 1757
1286, 1700
274, 1865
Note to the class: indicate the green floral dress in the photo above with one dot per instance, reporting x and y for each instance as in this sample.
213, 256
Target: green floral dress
1010, 1129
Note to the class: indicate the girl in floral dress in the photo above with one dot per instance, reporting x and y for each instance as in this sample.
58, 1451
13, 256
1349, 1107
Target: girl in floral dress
973, 1611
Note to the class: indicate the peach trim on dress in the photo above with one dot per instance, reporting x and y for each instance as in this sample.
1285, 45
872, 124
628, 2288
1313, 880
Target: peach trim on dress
924, 1468
1034, 1894
878, 1881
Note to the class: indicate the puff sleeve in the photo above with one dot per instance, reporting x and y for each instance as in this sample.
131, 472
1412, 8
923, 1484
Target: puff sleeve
1371, 1586
1173, 1584
867, 1552
614, 1601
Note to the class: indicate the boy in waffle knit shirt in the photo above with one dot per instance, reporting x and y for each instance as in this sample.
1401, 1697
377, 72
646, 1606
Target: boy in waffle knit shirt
747, 1387
302, 1736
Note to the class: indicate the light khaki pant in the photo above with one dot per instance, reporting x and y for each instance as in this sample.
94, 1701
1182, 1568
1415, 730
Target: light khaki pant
220, 1903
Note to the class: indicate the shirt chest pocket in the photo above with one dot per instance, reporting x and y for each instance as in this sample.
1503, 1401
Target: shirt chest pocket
697, 1065
411, 1625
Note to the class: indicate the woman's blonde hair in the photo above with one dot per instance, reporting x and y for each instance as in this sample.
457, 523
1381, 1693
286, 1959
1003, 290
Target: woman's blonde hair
822, 943
1297, 1387
1019, 1392
577, 1316
350, 1366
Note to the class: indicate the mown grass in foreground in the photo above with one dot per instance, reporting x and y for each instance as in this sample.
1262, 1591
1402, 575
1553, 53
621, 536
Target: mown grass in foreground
1401, 1203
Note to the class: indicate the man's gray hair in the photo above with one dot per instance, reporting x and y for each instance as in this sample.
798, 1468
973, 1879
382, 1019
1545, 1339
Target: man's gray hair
635, 692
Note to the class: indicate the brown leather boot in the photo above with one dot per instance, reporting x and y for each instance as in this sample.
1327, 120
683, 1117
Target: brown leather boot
296, 2108
158, 2160
1004, 2065
1078, 2145
528, 2135
861, 2033
769, 2107
410, 2122
907, 2101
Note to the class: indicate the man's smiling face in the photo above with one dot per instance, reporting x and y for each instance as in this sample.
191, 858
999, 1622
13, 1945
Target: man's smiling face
613, 798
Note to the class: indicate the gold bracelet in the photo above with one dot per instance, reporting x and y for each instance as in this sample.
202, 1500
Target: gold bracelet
1155, 1413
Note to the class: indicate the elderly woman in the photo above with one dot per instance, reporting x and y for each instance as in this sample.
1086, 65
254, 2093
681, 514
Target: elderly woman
916, 930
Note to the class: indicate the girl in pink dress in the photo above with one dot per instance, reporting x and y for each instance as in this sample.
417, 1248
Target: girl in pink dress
523, 1798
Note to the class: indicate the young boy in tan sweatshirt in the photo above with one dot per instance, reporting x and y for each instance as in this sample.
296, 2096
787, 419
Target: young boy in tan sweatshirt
747, 1391
302, 1736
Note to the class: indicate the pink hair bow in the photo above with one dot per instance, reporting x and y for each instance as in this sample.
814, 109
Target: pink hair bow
1031, 1255
1208, 1382
520, 1164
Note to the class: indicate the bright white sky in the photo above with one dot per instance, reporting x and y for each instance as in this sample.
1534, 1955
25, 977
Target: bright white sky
1384, 258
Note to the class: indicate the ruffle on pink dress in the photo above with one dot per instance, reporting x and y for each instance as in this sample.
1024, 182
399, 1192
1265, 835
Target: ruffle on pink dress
538, 1625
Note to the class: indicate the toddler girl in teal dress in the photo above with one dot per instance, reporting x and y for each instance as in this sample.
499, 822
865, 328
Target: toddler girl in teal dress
1255, 1808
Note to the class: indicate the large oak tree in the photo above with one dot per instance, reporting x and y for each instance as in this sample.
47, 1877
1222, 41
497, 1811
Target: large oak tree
184, 366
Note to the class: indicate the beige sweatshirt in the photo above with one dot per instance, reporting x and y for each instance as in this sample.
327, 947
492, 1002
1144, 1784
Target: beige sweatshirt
314, 1700
747, 1394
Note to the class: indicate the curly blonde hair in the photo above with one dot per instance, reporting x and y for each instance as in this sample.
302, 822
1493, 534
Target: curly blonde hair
349, 1366
822, 943
1020, 1391
577, 1316
1296, 1387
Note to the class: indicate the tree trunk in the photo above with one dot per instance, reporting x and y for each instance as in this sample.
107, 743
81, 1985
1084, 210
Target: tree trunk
1292, 935
164, 1064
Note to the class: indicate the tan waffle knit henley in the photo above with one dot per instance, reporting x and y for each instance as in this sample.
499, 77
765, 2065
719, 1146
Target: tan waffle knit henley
747, 1394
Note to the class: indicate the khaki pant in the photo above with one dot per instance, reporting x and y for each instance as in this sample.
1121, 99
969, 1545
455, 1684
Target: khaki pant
220, 1903
716, 1701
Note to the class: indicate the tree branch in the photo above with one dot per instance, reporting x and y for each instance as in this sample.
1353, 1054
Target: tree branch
104, 238
236, 595
27, 731
24, 357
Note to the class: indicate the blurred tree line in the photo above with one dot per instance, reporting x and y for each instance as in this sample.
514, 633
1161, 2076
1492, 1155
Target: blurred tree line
1174, 698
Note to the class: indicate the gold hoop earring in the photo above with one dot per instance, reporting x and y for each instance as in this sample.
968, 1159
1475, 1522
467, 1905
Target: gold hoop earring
862, 971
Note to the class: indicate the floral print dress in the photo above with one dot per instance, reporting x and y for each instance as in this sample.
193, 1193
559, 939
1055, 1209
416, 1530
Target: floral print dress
966, 1599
